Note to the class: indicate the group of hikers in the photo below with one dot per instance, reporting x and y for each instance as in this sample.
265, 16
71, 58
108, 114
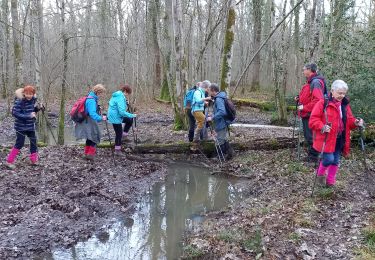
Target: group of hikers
26, 107
327, 120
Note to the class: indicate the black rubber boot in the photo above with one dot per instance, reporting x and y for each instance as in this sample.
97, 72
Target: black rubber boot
229, 151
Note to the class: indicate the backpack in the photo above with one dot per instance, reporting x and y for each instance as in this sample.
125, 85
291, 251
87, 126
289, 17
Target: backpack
188, 99
78, 111
230, 109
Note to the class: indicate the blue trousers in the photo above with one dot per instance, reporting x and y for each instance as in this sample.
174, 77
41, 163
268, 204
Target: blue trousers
20, 140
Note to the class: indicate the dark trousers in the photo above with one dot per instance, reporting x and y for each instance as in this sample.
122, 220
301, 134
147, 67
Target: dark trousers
128, 123
118, 132
20, 140
307, 133
191, 124
90, 143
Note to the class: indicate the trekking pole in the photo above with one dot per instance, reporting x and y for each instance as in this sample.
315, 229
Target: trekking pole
49, 126
364, 157
295, 119
219, 152
135, 131
318, 162
299, 139
134, 125
110, 142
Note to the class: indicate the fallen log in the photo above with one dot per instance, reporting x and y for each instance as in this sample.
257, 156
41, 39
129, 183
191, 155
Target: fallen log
208, 147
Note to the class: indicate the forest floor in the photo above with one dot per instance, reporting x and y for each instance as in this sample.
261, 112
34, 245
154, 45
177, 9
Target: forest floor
66, 199
280, 220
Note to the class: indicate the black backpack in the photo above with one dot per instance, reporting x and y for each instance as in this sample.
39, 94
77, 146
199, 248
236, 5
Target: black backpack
230, 109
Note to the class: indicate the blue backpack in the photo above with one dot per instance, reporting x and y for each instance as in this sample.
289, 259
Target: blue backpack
188, 99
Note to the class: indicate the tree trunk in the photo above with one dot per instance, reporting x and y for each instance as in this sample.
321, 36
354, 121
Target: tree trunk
227, 53
154, 10
65, 39
38, 60
18, 72
5, 58
281, 75
181, 72
257, 30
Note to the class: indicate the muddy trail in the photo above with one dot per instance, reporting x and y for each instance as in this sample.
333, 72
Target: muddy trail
281, 221
66, 198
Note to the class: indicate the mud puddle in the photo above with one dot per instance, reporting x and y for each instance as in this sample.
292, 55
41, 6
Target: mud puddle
155, 229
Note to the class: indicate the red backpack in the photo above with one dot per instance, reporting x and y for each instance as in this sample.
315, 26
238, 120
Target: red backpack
78, 111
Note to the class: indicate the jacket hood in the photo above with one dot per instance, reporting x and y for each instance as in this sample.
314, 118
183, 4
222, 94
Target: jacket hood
117, 94
345, 101
92, 94
19, 94
221, 94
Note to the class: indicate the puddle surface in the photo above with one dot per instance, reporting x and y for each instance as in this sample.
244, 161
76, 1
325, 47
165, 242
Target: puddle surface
155, 230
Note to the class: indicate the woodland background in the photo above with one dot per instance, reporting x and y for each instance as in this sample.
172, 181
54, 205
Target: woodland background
162, 47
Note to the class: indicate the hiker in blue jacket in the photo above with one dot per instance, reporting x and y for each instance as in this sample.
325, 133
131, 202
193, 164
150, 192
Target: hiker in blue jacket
197, 109
220, 122
89, 128
117, 112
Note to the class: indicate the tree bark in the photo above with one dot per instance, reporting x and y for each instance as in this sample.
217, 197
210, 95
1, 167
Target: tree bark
5, 57
65, 40
226, 65
257, 30
17, 47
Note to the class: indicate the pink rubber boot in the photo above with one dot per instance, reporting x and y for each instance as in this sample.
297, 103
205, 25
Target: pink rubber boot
331, 177
322, 169
12, 158
34, 158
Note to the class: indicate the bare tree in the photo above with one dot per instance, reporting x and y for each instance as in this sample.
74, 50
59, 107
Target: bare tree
226, 65
17, 47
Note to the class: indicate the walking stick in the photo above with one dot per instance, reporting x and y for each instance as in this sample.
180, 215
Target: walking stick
110, 142
318, 162
49, 126
299, 139
295, 118
134, 125
219, 151
364, 156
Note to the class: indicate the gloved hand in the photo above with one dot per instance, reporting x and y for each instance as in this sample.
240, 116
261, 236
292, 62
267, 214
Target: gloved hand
359, 122
300, 107
326, 129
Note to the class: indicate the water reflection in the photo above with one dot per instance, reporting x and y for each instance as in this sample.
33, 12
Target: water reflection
155, 230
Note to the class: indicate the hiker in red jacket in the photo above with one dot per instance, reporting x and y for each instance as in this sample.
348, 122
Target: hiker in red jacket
313, 91
331, 122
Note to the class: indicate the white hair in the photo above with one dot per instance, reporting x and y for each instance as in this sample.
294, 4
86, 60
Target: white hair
339, 85
205, 84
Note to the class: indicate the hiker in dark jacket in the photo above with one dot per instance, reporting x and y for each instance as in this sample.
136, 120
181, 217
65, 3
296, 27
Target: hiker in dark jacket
333, 135
24, 111
117, 114
311, 93
89, 128
220, 122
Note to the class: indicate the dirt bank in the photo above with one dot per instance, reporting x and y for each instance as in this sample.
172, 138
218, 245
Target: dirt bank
66, 198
